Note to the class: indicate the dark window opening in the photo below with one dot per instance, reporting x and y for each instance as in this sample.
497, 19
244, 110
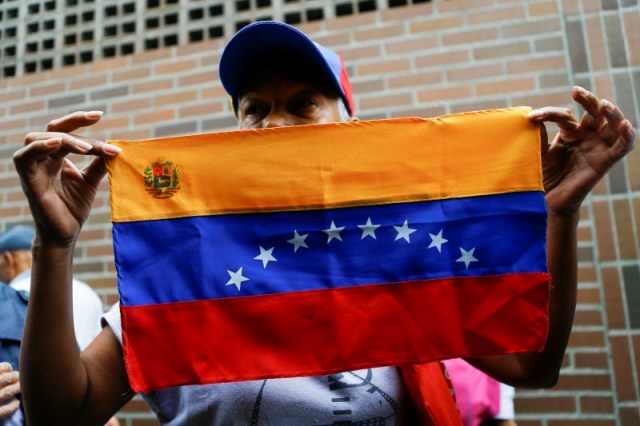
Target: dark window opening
170, 40
109, 52
30, 67
292, 18
129, 27
128, 8
33, 27
69, 60
87, 36
151, 43
263, 3
49, 25
153, 3
366, 6
196, 35
88, 16
111, 31
70, 39
196, 14
344, 9
9, 71
32, 47
216, 32
242, 5
110, 11
127, 49
86, 56
152, 23
171, 19
48, 44
46, 64
315, 15
71, 19
217, 10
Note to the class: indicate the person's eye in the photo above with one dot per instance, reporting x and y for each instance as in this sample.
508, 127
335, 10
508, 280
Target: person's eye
305, 105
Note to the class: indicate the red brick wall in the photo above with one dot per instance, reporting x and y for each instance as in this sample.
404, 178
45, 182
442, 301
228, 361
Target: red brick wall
426, 60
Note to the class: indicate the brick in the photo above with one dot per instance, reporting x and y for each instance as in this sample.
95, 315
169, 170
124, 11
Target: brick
591, 360
109, 64
384, 67
47, 89
376, 84
543, 8
201, 110
470, 37
587, 274
583, 339
437, 23
633, 168
535, 405
577, 47
111, 92
414, 80
352, 21
401, 13
613, 298
130, 74
102, 283
615, 41
597, 44
627, 235
176, 67
506, 86
631, 21
198, 78
536, 64
582, 422
475, 73
159, 116
496, 14
102, 250
631, 279
179, 97
152, 86
66, 101
597, 404
588, 296
463, 5
604, 231
588, 318
551, 43
438, 59
502, 50
445, 94
131, 105
189, 127
629, 416
88, 82
413, 45
532, 27
385, 101
379, 32
350, 55
26, 107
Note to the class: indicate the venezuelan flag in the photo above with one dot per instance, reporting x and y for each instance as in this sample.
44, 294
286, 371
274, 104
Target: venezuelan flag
307, 250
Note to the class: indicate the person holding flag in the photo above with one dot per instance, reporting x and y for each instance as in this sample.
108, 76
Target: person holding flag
276, 76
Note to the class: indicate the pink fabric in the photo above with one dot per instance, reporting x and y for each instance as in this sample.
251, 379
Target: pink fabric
477, 395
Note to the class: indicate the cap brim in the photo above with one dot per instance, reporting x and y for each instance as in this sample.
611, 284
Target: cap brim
260, 38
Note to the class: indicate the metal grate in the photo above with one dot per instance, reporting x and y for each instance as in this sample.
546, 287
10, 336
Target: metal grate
38, 35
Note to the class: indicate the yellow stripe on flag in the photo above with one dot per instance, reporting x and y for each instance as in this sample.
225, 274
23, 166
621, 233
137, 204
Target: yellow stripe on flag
326, 165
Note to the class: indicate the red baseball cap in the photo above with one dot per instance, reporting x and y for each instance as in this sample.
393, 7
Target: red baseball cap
260, 38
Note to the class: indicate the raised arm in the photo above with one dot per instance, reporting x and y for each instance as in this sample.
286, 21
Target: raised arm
579, 156
60, 385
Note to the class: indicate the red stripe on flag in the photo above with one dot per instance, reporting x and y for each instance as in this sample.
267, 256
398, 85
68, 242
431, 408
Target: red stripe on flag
318, 332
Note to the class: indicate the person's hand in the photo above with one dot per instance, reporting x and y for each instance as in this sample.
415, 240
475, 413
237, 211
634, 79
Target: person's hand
60, 195
583, 151
9, 389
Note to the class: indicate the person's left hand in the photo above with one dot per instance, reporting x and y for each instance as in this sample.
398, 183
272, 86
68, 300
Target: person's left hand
582, 152
9, 389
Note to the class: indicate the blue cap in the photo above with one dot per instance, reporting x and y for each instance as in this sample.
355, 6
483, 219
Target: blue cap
18, 237
263, 37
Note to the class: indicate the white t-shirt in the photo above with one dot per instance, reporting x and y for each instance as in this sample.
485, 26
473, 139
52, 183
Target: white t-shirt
87, 308
368, 397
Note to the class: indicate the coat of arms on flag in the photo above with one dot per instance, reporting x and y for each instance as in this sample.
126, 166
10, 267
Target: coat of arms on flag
400, 241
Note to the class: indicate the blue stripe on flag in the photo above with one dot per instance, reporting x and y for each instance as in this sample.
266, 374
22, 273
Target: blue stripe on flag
209, 257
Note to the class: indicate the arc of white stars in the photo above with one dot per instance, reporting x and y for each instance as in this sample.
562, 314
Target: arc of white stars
333, 232
236, 278
437, 241
368, 229
467, 257
404, 231
298, 241
266, 256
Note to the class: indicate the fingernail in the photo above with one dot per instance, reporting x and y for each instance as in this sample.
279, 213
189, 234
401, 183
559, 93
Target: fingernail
112, 149
82, 144
536, 113
93, 115
53, 141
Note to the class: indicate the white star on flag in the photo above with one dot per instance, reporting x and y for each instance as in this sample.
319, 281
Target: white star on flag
236, 278
368, 229
404, 231
467, 257
298, 241
333, 232
266, 256
437, 241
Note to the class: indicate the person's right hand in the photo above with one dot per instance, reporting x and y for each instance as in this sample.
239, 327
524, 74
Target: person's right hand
60, 195
9, 389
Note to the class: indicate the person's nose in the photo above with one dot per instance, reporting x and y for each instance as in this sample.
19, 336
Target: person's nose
277, 118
